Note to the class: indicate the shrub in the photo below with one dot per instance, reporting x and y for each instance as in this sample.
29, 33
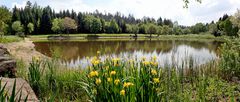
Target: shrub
230, 59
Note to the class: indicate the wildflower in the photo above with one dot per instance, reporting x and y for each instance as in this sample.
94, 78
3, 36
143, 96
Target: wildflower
116, 81
98, 81
122, 92
116, 61
127, 84
154, 58
109, 79
95, 62
153, 72
158, 89
143, 58
98, 52
154, 63
93, 74
36, 58
95, 58
116, 64
146, 63
107, 67
113, 73
94, 91
131, 61
87, 58
156, 80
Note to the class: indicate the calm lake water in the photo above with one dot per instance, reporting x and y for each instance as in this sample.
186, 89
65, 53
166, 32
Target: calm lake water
168, 52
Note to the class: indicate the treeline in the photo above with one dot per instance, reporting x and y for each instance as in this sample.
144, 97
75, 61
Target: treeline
33, 19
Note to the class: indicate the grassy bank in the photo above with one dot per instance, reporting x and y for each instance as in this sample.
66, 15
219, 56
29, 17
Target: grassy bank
76, 37
8, 39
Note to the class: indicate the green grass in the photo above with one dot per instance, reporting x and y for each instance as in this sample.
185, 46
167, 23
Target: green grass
9, 39
118, 37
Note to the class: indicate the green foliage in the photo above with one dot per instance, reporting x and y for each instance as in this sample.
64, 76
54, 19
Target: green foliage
142, 28
177, 31
3, 28
135, 29
17, 26
113, 27
229, 29
166, 30
132, 29
34, 75
199, 27
5, 17
186, 31
8, 39
152, 29
57, 25
96, 25
30, 27
51, 82
213, 29
230, 59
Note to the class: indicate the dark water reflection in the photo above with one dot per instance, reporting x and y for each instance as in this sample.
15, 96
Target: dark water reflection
74, 53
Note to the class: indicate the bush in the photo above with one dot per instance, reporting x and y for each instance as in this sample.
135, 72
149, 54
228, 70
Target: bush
230, 59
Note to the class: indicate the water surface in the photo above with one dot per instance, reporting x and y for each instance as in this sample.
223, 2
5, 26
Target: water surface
170, 52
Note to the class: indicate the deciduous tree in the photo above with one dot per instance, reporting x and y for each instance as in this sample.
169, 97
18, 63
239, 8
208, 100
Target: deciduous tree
96, 26
30, 27
69, 24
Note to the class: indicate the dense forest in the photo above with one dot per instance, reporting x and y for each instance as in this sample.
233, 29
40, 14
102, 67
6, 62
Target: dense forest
34, 19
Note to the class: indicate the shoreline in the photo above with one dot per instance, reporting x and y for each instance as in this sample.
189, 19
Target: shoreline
23, 50
103, 37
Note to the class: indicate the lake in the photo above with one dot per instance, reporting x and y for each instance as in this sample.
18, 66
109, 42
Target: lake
168, 52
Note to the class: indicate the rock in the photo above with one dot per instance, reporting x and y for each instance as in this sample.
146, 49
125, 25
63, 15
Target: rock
8, 67
3, 51
7, 64
4, 58
21, 87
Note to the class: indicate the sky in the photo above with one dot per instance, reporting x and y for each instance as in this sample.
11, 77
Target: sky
204, 12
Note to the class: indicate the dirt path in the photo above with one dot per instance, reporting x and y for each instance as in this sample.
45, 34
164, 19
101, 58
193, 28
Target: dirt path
23, 50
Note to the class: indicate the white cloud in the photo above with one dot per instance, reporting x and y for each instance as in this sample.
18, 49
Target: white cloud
207, 11
19, 5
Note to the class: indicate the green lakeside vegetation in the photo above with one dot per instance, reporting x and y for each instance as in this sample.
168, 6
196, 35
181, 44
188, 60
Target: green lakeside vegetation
8, 39
116, 79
